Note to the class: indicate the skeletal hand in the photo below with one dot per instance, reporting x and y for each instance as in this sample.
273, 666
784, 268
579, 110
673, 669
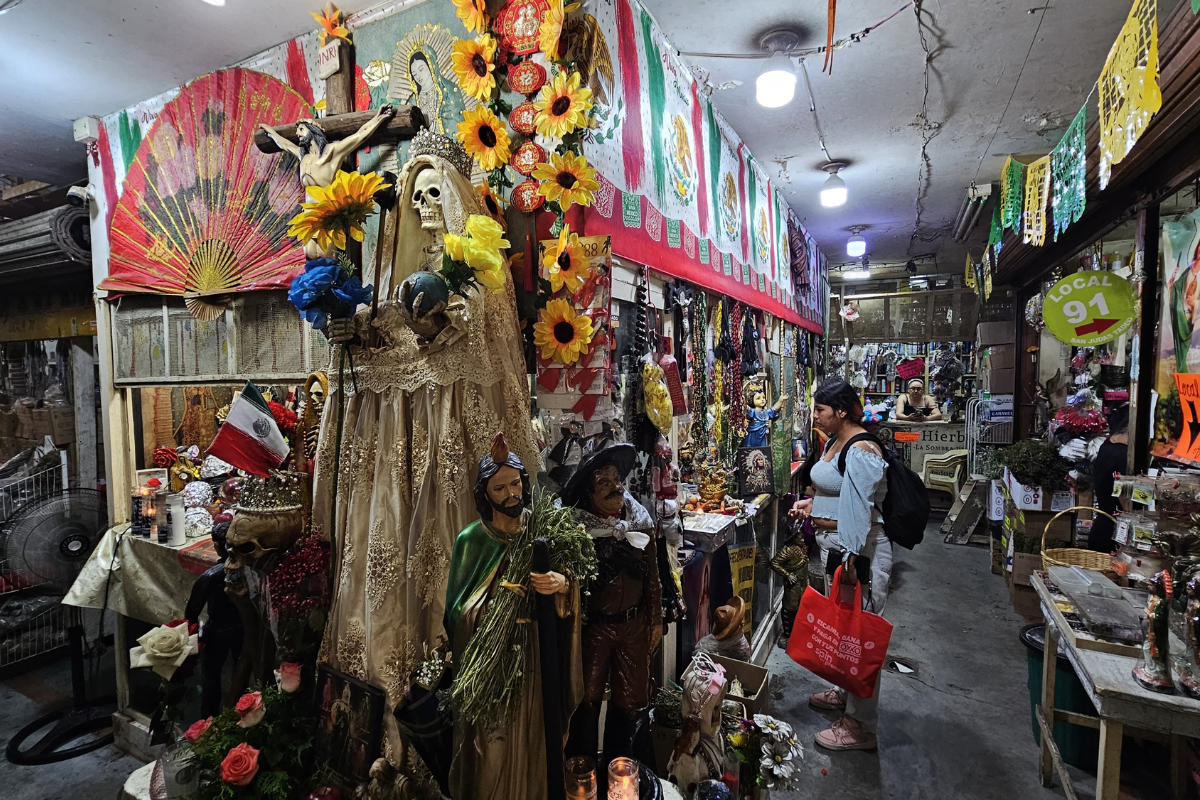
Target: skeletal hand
339, 331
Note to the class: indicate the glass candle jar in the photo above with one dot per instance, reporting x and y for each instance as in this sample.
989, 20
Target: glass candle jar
580, 778
622, 779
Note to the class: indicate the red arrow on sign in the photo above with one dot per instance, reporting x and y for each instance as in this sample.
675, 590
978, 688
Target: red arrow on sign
1096, 326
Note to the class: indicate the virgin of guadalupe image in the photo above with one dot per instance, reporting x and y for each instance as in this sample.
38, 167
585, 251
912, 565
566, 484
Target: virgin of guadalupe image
426, 91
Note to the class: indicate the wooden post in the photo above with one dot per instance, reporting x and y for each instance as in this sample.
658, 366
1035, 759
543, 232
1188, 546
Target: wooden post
339, 99
1145, 286
83, 368
1108, 770
1049, 673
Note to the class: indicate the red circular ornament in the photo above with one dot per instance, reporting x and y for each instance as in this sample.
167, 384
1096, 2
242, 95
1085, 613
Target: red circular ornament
527, 157
527, 77
525, 197
523, 118
518, 24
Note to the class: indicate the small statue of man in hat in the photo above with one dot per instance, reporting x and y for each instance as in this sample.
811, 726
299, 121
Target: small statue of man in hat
624, 609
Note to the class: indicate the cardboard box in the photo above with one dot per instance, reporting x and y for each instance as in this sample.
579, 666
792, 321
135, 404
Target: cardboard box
62, 424
40, 423
1032, 498
8, 423
1026, 603
993, 333
1024, 565
755, 680
1001, 356
999, 408
1000, 381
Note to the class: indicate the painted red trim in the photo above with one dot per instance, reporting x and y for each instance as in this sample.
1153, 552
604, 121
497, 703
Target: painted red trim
633, 149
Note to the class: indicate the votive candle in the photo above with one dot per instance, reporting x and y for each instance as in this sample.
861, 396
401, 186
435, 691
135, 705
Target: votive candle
622, 779
580, 778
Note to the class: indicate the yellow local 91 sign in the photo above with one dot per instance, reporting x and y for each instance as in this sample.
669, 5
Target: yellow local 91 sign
1089, 308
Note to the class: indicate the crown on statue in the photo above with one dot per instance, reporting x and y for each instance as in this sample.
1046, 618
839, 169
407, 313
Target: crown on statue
428, 143
279, 491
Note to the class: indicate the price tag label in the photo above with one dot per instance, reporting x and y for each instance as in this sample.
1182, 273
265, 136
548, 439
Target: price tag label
1089, 308
1122, 532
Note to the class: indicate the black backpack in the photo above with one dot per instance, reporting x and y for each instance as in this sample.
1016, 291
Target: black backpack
906, 507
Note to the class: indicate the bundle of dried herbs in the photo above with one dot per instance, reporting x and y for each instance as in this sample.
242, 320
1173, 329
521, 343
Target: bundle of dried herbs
1036, 464
491, 670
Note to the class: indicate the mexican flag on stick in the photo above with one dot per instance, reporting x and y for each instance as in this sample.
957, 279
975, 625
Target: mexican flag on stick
250, 440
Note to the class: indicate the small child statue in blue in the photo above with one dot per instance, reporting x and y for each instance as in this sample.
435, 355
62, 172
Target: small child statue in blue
758, 416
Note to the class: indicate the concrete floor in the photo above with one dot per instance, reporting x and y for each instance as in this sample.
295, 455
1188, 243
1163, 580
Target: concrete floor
98, 775
957, 728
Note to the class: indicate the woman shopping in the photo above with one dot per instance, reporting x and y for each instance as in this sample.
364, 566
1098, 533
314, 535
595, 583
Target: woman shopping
846, 511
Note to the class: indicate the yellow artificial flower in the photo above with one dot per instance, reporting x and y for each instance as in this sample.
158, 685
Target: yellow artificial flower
331, 24
550, 33
494, 278
473, 13
338, 209
454, 246
564, 106
567, 179
486, 232
474, 63
566, 263
493, 204
480, 258
485, 138
562, 334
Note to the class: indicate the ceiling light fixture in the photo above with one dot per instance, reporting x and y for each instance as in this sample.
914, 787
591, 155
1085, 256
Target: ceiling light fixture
833, 191
776, 84
856, 245
8, 5
860, 274
215, 2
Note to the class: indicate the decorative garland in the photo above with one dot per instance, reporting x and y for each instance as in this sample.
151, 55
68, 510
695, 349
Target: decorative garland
737, 405
699, 369
1068, 170
718, 394
1129, 91
1012, 186
1037, 190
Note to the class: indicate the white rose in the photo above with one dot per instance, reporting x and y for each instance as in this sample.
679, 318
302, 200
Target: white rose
164, 649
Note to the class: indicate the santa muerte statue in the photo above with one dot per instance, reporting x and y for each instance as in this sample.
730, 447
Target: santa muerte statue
503, 713
1152, 672
624, 606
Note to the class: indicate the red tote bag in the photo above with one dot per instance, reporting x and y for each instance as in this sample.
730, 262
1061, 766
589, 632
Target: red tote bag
839, 641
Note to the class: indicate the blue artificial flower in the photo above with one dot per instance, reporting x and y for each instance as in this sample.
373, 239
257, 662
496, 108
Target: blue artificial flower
316, 317
312, 286
353, 293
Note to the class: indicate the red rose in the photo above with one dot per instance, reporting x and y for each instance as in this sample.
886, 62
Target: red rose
285, 418
240, 765
251, 709
197, 729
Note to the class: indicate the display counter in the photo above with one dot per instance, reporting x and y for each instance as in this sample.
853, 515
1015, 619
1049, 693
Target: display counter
916, 440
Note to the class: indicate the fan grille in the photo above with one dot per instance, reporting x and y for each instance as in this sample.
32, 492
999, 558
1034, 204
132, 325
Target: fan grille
47, 541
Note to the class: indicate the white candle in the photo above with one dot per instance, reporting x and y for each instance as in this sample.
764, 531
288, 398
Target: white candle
622, 779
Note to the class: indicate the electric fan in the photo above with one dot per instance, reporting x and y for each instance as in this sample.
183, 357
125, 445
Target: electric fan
45, 544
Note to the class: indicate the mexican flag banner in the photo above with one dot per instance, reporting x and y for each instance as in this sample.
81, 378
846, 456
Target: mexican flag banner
250, 440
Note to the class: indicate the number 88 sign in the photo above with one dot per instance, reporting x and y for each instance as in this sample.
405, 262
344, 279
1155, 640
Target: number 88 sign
1089, 308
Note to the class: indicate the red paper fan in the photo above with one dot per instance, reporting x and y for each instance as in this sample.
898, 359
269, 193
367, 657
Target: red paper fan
203, 213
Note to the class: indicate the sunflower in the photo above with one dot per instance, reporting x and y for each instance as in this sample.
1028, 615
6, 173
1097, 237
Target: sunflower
562, 334
473, 13
564, 106
485, 232
474, 63
567, 179
337, 209
566, 263
485, 137
493, 204
550, 34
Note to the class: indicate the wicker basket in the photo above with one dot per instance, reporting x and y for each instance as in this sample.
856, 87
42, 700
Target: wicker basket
1074, 556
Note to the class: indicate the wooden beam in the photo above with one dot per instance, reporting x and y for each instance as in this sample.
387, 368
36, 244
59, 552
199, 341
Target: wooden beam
1146, 279
83, 375
404, 125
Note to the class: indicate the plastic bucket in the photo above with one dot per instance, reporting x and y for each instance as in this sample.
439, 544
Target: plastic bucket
1078, 746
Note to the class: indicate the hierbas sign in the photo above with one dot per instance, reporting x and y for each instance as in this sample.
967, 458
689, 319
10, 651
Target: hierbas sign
1089, 308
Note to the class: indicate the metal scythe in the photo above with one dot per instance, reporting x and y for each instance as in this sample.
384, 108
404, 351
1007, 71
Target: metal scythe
547, 618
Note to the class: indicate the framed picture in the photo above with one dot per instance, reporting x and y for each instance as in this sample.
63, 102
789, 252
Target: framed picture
349, 724
754, 472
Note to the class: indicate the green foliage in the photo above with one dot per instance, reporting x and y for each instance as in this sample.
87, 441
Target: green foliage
1168, 416
989, 464
490, 678
283, 739
1036, 464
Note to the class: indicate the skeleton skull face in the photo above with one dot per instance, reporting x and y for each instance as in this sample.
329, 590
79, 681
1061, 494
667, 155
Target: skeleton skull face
427, 200
254, 536
318, 397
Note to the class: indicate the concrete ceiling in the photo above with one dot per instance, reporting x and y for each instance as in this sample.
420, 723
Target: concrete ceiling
64, 59
1005, 77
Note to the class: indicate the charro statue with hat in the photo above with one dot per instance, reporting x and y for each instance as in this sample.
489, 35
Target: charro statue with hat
624, 607
402, 435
